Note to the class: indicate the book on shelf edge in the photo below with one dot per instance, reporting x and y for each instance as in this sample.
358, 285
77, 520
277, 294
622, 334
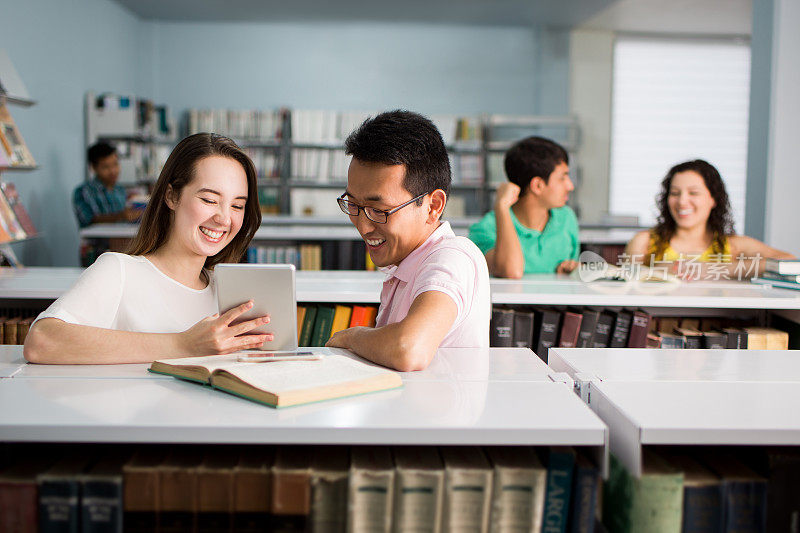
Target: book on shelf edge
333, 376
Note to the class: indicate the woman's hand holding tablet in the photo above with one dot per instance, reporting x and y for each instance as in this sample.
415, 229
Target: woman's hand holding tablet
216, 334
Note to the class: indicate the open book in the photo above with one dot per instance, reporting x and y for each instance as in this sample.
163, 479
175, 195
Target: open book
282, 383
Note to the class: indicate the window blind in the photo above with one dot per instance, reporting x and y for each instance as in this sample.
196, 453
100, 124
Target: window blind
675, 100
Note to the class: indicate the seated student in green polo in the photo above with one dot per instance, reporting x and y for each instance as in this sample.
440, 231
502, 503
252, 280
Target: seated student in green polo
531, 229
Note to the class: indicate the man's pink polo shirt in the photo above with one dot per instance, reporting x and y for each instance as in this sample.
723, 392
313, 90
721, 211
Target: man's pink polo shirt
449, 264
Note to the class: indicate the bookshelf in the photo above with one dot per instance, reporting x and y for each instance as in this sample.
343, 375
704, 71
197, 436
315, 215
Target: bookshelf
300, 157
16, 225
143, 132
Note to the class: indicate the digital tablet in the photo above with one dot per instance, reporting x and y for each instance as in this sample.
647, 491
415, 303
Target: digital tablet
272, 289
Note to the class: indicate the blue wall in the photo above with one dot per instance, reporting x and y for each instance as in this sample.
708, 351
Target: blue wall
428, 68
62, 50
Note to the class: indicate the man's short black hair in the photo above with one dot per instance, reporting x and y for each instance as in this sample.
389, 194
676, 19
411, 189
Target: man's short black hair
99, 151
532, 157
404, 138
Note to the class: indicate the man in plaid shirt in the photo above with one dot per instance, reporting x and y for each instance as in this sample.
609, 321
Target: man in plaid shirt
101, 199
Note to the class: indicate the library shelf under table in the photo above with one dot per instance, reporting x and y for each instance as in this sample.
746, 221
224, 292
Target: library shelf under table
454, 402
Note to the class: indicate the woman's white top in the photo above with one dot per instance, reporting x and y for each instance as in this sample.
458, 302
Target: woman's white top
129, 293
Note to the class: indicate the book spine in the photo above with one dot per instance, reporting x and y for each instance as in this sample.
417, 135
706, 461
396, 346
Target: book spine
640, 324
702, 509
588, 327
547, 332
523, 329
517, 499
328, 503
603, 332
584, 499
58, 505
467, 500
570, 327
322, 325
559, 485
291, 501
502, 328
745, 507
619, 337
101, 505
308, 326
18, 507
370, 501
418, 500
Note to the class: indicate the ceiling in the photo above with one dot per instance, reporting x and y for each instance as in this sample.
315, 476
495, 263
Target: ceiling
563, 13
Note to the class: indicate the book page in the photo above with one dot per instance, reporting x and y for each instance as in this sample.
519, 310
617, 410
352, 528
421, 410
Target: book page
284, 376
210, 362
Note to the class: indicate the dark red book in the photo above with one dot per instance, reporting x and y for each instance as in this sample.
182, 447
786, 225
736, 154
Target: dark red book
570, 327
640, 325
19, 502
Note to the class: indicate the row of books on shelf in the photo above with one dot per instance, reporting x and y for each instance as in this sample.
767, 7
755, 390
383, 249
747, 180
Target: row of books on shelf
14, 325
316, 323
243, 125
546, 327
14, 153
299, 488
140, 162
705, 489
327, 255
15, 222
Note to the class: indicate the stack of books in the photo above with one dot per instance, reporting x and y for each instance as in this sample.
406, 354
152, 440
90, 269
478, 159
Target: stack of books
781, 273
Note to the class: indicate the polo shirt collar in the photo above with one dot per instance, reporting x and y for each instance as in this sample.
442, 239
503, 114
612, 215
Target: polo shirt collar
409, 265
525, 230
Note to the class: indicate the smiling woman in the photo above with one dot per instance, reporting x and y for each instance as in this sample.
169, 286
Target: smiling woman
158, 300
695, 225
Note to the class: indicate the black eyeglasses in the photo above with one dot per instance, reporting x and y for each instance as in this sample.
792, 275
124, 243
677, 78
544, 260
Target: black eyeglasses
378, 216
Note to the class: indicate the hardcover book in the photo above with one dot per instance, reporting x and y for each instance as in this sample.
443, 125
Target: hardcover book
282, 383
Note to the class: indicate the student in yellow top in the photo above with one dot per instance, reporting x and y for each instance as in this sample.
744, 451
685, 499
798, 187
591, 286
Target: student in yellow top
695, 225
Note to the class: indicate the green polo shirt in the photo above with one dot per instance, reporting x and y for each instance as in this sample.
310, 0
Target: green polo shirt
543, 250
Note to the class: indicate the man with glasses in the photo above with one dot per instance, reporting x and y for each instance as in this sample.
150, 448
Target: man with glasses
436, 291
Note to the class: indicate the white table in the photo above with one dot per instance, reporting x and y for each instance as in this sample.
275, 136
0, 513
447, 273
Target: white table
645, 413
466, 396
646, 364
450, 364
334, 286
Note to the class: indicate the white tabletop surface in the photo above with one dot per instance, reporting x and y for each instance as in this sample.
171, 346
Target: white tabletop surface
706, 412
510, 400
535, 289
449, 364
634, 364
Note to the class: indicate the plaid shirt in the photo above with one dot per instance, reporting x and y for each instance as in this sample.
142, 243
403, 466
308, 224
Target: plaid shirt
93, 198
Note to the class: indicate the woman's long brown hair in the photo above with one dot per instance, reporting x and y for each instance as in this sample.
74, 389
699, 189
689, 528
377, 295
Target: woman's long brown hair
720, 221
177, 172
